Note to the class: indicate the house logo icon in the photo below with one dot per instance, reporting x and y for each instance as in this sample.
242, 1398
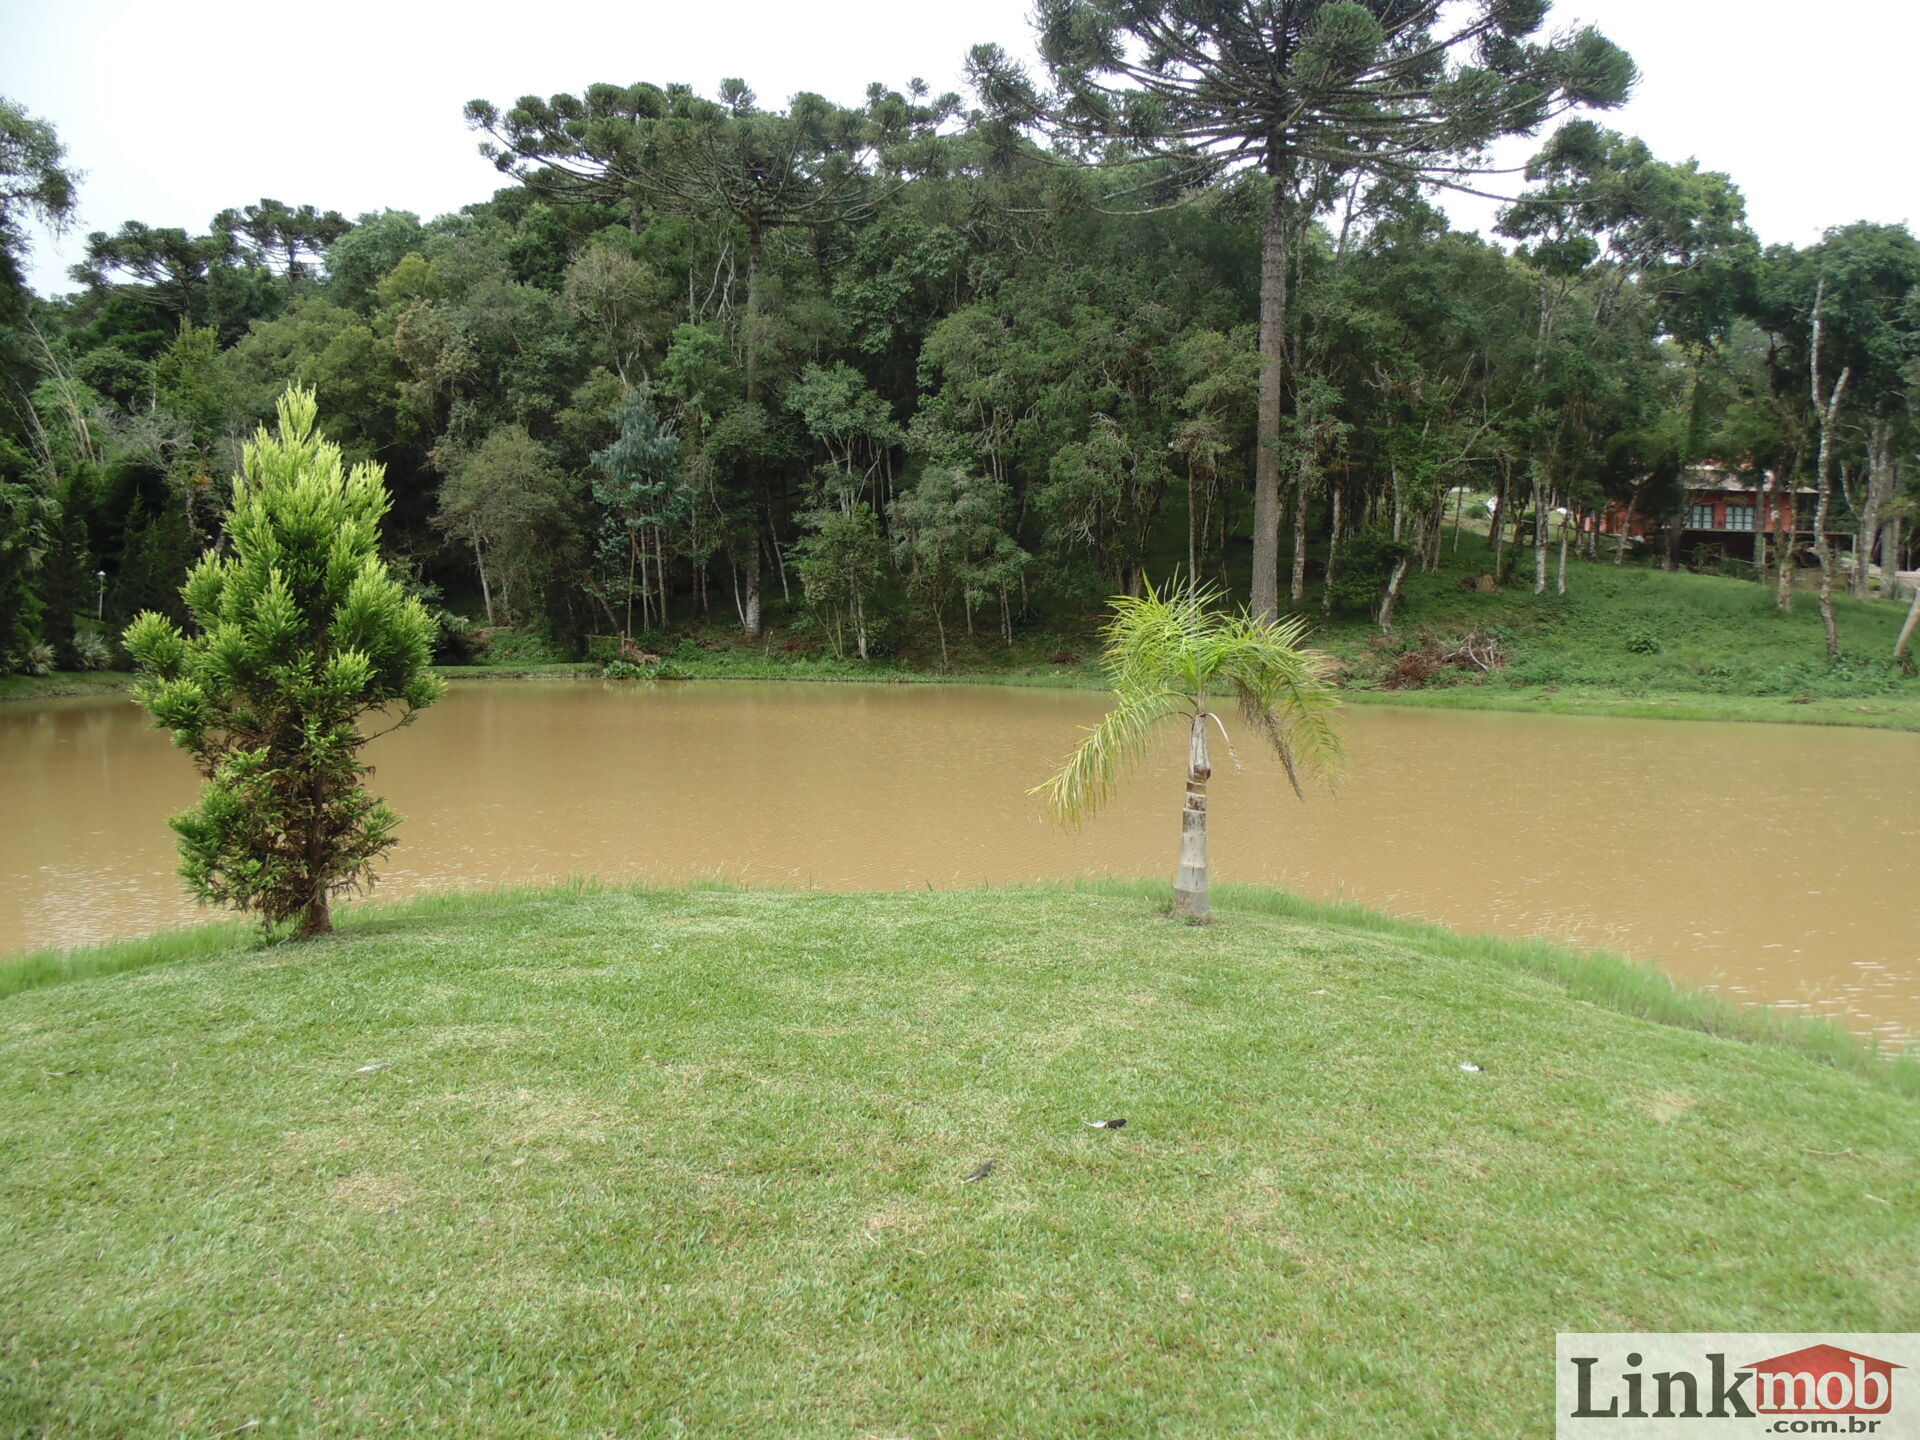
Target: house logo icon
1823, 1380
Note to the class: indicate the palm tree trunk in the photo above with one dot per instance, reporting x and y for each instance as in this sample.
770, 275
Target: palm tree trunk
1190, 879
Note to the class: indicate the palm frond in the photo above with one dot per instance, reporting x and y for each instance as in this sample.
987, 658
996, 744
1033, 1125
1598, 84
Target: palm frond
1285, 693
1166, 654
1154, 639
1102, 757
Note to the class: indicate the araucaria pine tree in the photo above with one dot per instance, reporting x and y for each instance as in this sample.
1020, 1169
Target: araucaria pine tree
299, 633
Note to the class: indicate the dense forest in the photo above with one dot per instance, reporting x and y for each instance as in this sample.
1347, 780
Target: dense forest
921, 368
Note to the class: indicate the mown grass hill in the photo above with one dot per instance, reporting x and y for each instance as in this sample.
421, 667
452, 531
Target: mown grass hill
648, 1163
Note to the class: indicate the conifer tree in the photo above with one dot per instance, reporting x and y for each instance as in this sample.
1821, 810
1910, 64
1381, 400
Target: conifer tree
299, 632
1317, 96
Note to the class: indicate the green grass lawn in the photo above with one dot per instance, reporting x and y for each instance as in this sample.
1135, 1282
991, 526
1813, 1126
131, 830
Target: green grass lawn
645, 1164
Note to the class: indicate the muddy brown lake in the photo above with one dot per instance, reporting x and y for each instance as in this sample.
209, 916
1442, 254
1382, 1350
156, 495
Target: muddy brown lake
1778, 863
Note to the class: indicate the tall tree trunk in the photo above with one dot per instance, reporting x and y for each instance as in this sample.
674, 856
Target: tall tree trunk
1906, 630
1561, 581
1190, 878
1392, 598
1193, 534
1265, 596
1539, 532
763, 517
1879, 492
1497, 526
750, 610
1828, 412
633, 561
480, 565
1333, 555
660, 569
1298, 588
1626, 526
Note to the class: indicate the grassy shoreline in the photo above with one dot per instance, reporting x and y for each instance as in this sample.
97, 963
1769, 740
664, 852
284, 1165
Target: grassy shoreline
1627, 641
610, 1160
1877, 712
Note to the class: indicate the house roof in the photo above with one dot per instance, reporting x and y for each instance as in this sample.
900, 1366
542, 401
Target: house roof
1723, 480
1819, 1359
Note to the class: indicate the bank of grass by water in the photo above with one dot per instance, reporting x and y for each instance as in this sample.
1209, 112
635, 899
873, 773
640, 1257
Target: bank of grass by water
1630, 641
64, 685
599, 1160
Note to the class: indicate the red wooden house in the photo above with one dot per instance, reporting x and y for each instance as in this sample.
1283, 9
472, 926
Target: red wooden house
1732, 511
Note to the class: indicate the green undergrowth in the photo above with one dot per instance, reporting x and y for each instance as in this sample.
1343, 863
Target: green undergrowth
599, 1160
1629, 641
1639, 631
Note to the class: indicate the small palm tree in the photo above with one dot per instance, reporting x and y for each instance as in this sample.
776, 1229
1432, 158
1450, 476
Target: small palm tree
1171, 655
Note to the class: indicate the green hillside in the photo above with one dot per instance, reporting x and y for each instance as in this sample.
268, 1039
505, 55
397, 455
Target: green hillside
660, 1163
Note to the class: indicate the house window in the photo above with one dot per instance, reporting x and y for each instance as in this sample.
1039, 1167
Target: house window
1700, 517
1740, 517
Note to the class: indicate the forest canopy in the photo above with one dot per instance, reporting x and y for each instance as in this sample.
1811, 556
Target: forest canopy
882, 372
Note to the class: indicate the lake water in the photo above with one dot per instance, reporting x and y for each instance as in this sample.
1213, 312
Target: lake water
1776, 862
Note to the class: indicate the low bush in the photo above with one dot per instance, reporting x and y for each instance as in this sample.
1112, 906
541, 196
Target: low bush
91, 651
502, 646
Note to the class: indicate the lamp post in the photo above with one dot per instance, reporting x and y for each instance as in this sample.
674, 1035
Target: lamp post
100, 596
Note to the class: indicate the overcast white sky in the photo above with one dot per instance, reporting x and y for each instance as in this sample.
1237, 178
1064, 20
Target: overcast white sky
176, 111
